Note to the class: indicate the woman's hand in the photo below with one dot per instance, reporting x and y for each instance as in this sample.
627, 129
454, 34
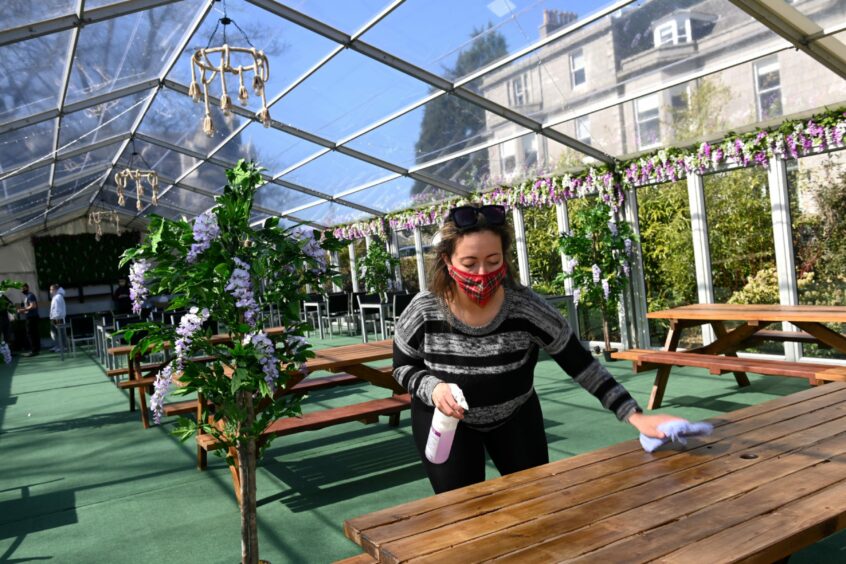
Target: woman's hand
443, 400
648, 424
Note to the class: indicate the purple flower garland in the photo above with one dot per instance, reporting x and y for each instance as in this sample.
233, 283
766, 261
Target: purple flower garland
137, 291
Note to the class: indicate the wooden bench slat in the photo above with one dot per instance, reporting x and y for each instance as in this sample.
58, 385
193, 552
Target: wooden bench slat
125, 369
180, 407
140, 383
362, 558
324, 418
834, 374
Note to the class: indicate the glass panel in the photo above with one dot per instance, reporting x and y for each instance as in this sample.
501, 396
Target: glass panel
272, 149
599, 130
22, 182
100, 121
208, 176
17, 13
60, 191
291, 49
32, 202
455, 38
817, 188
26, 145
333, 173
280, 199
186, 201
330, 214
351, 91
163, 211
408, 260
168, 164
398, 194
824, 14
126, 50
355, 14
22, 91
740, 236
542, 242
360, 252
86, 161
667, 250
175, 118
442, 126
20, 221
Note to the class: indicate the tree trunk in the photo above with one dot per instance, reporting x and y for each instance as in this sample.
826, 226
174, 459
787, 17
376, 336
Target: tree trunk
606, 331
247, 458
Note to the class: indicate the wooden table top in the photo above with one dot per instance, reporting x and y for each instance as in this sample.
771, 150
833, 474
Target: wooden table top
753, 312
340, 357
769, 481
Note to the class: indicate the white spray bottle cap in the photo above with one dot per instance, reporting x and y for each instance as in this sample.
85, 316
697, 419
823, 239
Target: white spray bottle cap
458, 395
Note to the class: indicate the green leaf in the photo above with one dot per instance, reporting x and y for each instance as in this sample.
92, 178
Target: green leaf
238, 376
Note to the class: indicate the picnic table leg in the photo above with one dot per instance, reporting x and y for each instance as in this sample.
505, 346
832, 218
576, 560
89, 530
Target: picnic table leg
658, 387
202, 455
720, 330
130, 376
142, 394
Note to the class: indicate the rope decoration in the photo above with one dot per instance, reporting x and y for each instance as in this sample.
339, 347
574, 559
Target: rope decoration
123, 178
202, 61
96, 218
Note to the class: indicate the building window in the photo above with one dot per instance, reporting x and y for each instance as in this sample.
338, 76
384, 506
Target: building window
672, 32
530, 150
577, 68
648, 125
519, 91
508, 157
664, 34
768, 88
679, 98
583, 129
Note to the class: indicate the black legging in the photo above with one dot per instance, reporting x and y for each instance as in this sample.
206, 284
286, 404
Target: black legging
516, 445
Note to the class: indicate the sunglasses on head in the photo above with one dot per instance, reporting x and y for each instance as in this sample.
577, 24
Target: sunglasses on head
468, 216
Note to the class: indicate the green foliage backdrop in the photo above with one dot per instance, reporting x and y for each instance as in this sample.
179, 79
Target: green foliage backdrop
80, 260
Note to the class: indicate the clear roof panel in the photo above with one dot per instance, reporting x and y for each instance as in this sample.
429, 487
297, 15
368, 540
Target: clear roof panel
272, 149
355, 14
280, 199
101, 121
351, 91
36, 201
833, 13
330, 213
25, 181
398, 194
186, 201
291, 49
126, 50
209, 176
22, 12
22, 91
333, 173
425, 133
454, 39
26, 145
68, 188
175, 118
87, 161
19, 221
165, 162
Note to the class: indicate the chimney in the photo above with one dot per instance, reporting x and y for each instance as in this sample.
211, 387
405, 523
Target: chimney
554, 19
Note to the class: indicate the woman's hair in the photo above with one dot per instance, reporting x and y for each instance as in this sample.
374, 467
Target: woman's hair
440, 282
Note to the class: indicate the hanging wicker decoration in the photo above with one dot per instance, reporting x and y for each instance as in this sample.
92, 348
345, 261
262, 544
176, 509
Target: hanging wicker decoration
216, 62
97, 218
138, 175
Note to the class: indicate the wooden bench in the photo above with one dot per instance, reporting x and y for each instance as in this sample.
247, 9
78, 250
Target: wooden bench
116, 372
832, 374
646, 359
362, 558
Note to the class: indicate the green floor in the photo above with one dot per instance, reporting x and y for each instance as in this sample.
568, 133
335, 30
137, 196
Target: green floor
82, 481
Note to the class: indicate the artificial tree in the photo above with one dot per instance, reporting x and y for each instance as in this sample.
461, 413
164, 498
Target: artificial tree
219, 267
377, 269
599, 250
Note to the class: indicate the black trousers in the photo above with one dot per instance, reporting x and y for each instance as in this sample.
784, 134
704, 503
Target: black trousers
33, 334
518, 444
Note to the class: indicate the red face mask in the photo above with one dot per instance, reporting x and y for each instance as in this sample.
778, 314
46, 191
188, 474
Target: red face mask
479, 287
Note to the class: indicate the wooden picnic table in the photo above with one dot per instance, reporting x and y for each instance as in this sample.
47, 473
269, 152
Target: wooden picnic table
768, 482
752, 328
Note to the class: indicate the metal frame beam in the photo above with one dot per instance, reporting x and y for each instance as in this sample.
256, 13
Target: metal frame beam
77, 20
44, 187
797, 28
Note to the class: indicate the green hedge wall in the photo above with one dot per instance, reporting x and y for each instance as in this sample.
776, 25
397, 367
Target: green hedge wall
80, 260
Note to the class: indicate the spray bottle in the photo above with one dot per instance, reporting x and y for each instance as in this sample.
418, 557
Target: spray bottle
442, 431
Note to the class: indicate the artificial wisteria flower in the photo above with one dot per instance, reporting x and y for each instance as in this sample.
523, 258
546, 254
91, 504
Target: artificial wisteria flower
597, 273
206, 230
137, 291
577, 293
606, 289
612, 225
6, 352
241, 287
628, 244
313, 249
189, 324
627, 270
267, 358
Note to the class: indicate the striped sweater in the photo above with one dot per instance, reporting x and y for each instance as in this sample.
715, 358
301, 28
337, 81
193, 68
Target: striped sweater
494, 365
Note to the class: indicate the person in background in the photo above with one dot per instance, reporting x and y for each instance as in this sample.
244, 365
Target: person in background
123, 303
479, 329
29, 311
57, 316
7, 309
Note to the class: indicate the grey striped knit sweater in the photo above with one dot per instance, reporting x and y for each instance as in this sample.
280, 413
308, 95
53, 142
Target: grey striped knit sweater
494, 365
